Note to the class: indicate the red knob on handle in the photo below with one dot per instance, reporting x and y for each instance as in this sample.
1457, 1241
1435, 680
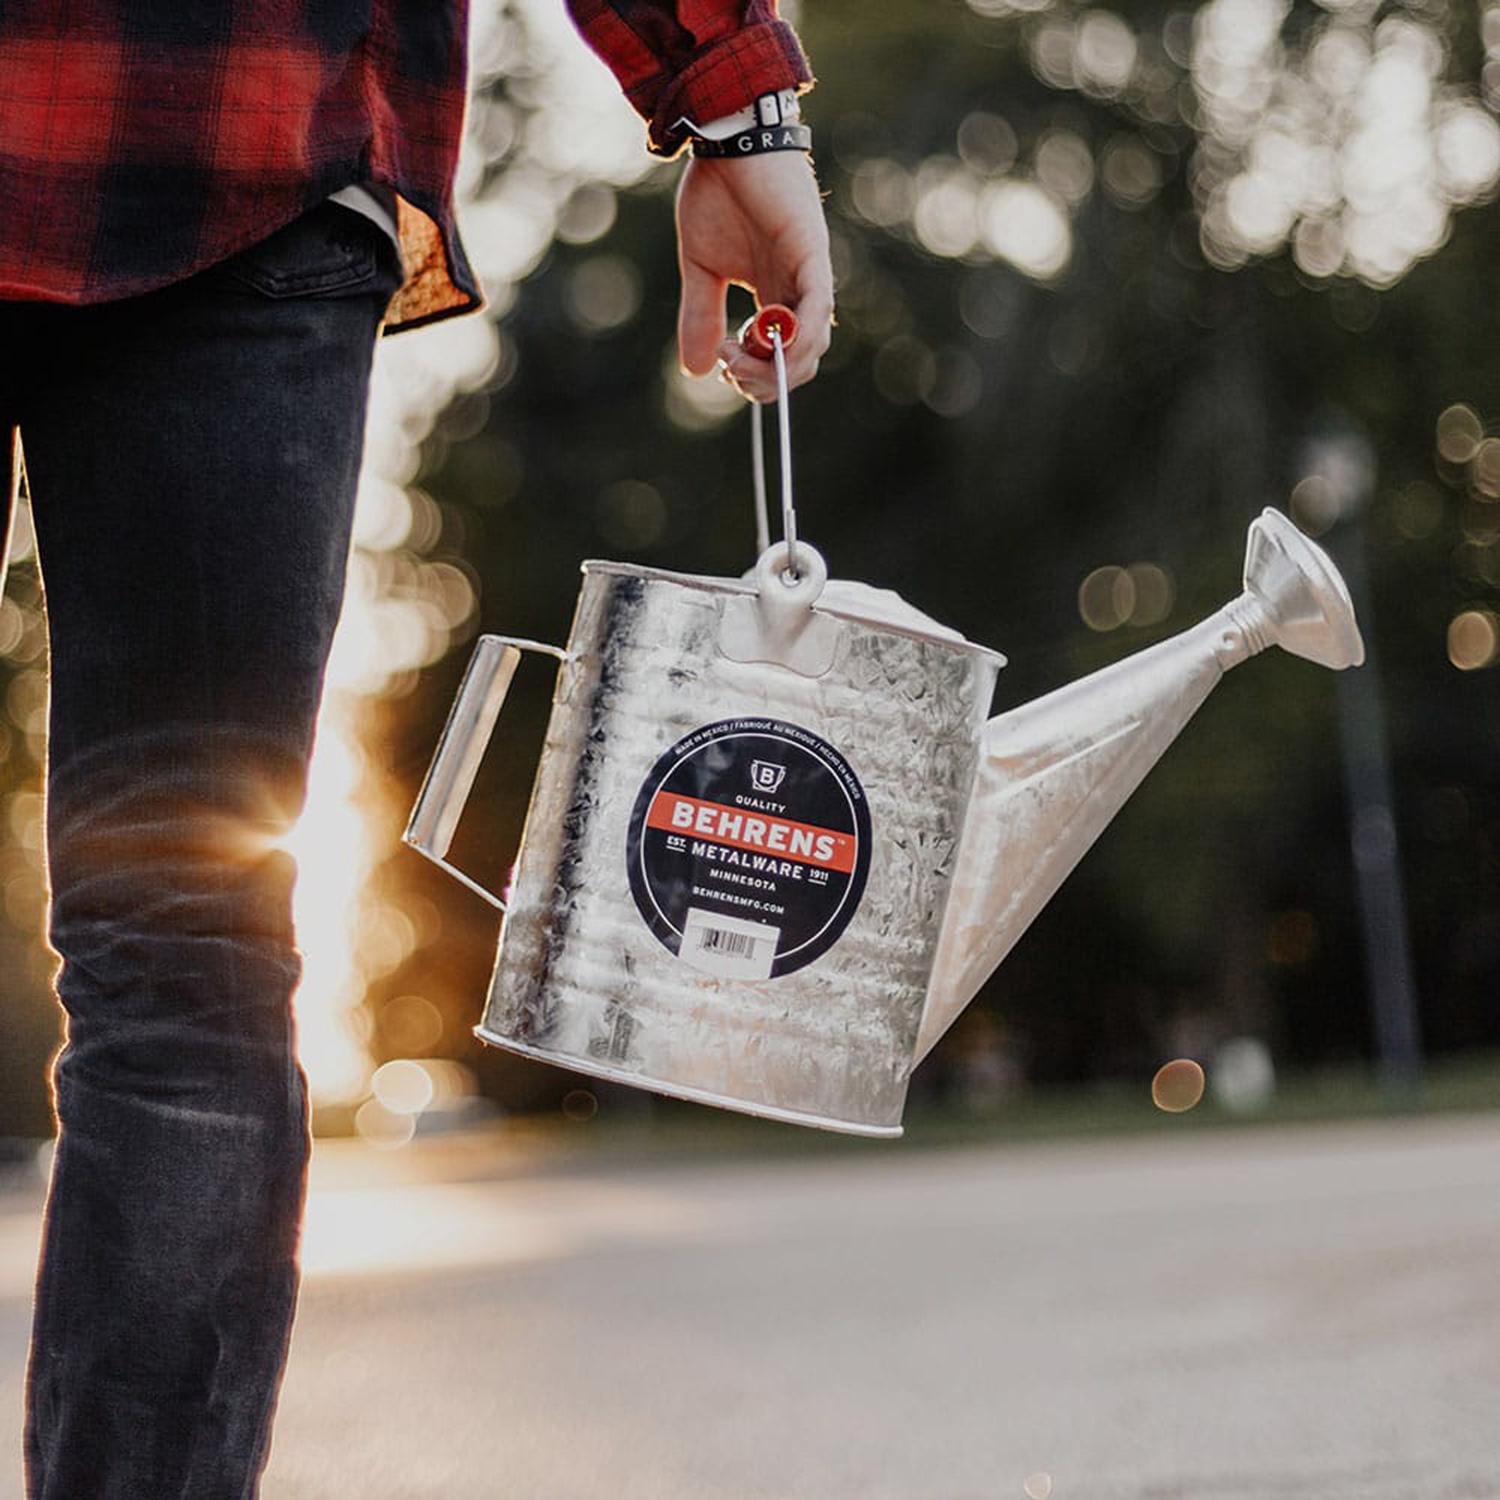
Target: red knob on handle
755, 336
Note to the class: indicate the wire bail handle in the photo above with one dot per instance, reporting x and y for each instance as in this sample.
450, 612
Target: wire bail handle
766, 336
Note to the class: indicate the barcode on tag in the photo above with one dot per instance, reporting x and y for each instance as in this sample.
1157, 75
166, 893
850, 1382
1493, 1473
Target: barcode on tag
735, 943
726, 942
730, 947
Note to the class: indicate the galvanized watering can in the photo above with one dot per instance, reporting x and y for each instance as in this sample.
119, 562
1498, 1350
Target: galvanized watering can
776, 845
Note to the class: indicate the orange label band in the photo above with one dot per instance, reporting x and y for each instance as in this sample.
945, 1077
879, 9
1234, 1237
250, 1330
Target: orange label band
760, 832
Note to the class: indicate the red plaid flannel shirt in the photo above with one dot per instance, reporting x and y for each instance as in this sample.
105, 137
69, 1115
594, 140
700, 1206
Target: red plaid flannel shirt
143, 140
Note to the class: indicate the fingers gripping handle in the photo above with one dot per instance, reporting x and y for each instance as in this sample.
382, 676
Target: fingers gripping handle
465, 738
759, 335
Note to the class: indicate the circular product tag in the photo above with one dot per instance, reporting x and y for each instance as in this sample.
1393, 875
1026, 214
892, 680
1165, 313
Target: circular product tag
749, 847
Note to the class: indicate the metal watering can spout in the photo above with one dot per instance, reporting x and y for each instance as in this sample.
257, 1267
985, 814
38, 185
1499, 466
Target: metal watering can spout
1053, 773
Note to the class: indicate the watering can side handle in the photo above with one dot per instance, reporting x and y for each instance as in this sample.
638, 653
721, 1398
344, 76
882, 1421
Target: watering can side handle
465, 738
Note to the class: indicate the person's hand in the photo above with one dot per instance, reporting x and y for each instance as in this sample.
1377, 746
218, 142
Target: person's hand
756, 222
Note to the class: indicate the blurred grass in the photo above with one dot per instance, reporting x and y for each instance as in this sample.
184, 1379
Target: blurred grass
1334, 1095
636, 1128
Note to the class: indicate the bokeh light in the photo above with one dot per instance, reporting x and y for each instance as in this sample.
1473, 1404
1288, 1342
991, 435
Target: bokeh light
580, 1105
1177, 1086
1142, 594
1474, 639
1314, 504
1346, 142
603, 294
1022, 223
1105, 598
1155, 593
411, 1024
1244, 1075
1348, 146
384, 1128
1459, 433
978, 205
404, 1087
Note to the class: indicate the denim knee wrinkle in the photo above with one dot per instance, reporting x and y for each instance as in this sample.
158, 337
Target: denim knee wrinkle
192, 456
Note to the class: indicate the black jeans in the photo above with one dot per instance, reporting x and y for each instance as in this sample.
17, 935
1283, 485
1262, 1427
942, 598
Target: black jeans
192, 456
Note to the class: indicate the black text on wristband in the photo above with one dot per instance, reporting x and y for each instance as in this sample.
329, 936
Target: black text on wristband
756, 142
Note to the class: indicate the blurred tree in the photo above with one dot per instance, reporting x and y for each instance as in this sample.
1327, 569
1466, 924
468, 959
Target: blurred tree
1102, 273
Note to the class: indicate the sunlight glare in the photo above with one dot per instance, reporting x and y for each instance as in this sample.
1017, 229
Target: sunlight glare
567, 140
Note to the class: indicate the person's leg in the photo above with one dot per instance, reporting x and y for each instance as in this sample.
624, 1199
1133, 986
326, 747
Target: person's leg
192, 457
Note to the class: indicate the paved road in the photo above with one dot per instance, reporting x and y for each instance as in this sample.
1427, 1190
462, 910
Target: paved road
1310, 1313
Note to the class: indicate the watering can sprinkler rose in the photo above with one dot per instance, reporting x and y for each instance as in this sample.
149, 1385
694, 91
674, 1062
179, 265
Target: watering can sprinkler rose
776, 844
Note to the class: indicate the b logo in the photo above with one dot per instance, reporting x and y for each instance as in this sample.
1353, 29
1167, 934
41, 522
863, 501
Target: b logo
766, 776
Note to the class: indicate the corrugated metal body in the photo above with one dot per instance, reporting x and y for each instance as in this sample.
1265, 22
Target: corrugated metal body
582, 981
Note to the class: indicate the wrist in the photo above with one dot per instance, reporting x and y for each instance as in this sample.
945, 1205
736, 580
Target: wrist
771, 123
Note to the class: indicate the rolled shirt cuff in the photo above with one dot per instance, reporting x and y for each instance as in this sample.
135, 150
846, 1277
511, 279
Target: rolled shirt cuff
732, 74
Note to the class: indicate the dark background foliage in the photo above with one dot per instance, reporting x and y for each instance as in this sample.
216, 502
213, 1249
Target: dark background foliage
982, 441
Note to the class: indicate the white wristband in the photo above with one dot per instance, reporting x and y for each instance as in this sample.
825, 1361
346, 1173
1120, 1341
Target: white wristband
782, 108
